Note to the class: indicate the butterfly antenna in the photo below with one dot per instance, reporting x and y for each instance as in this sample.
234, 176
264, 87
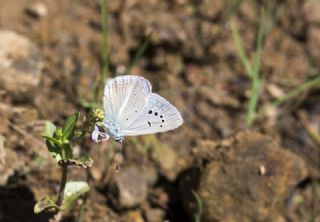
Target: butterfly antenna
118, 157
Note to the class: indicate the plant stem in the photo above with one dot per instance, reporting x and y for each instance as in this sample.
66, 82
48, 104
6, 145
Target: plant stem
62, 184
105, 49
296, 91
254, 97
311, 131
63, 181
255, 74
138, 55
240, 49
105, 43
232, 11
85, 199
198, 215
312, 83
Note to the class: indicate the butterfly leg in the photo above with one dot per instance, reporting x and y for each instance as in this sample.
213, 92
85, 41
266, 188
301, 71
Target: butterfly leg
117, 160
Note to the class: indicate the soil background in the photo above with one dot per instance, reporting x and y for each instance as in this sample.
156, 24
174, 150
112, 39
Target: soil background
50, 64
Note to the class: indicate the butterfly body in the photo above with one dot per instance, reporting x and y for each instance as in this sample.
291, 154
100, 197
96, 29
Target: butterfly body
131, 109
113, 130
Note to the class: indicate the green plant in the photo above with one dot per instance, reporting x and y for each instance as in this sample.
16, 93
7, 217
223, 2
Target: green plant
137, 57
309, 84
59, 142
232, 10
105, 46
106, 74
198, 215
97, 88
252, 68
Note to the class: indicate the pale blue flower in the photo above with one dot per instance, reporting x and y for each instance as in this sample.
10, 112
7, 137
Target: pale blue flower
97, 135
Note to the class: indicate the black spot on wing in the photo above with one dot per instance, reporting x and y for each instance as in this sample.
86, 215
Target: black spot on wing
149, 123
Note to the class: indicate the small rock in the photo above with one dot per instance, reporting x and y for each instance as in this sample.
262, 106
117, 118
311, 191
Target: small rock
229, 188
252, 172
165, 156
20, 66
133, 216
274, 90
311, 11
37, 10
131, 187
154, 215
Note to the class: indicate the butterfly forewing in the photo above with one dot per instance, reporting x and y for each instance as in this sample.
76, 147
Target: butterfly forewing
157, 116
125, 97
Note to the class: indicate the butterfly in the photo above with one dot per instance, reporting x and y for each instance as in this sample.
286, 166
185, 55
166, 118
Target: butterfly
131, 109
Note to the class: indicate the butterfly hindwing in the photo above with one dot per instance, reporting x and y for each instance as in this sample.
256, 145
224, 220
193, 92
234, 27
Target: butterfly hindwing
125, 97
158, 115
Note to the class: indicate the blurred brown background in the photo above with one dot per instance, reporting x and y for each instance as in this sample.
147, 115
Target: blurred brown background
50, 64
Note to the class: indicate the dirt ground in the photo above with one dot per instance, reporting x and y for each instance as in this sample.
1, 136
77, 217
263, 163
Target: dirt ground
50, 62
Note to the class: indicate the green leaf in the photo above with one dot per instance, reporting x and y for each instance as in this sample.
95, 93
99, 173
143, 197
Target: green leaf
68, 151
70, 125
44, 204
73, 190
52, 140
54, 150
49, 129
84, 161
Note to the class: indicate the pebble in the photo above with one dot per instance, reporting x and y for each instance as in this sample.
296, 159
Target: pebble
37, 10
132, 187
20, 65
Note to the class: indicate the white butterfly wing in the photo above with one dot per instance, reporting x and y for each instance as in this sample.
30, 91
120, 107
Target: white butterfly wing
158, 115
125, 97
